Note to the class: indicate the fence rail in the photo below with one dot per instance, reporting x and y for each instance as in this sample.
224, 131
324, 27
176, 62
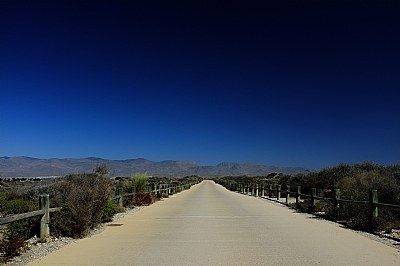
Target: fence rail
163, 190
275, 192
45, 210
21, 216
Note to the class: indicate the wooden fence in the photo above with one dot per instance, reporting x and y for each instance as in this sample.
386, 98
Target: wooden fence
163, 190
275, 192
45, 210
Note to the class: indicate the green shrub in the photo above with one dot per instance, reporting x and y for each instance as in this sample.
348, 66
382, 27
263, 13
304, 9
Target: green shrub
323, 207
356, 216
355, 182
25, 228
109, 210
137, 183
18, 205
303, 206
358, 186
15, 234
128, 201
83, 198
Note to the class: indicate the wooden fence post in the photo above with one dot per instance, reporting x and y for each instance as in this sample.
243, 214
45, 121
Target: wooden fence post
335, 200
287, 194
133, 190
312, 199
278, 192
44, 204
373, 209
119, 194
298, 193
163, 190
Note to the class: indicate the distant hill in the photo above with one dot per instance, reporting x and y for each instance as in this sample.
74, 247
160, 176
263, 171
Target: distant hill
33, 167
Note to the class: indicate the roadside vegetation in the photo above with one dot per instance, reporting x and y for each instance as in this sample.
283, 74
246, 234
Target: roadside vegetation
13, 236
85, 203
354, 182
138, 184
87, 200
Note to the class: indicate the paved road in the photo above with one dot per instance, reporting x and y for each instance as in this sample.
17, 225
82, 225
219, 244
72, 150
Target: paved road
208, 225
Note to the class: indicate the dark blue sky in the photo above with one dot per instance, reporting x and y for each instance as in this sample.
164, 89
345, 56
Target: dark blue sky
291, 83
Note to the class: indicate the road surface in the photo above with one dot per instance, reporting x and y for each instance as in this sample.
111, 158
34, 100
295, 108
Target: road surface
209, 225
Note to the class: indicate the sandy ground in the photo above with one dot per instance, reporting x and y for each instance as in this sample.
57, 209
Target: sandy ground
208, 225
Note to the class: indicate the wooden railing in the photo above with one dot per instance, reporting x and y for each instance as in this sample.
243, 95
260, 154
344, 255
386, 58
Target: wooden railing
274, 192
163, 190
45, 210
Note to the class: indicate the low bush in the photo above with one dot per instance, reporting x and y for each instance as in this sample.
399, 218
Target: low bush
323, 207
143, 199
84, 198
109, 210
138, 183
15, 234
303, 206
11, 247
85, 203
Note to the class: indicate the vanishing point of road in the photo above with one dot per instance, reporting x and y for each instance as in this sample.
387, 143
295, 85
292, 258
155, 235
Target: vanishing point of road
209, 225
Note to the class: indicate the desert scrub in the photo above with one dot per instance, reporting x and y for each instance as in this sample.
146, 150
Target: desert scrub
357, 187
84, 199
15, 234
137, 183
24, 228
109, 210
11, 247
142, 198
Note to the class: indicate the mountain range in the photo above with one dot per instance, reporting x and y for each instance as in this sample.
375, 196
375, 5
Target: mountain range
23, 166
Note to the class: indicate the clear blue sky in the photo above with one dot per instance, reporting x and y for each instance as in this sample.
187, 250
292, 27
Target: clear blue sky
290, 83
